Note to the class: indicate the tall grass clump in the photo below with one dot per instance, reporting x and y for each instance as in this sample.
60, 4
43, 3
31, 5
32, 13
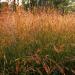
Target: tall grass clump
37, 42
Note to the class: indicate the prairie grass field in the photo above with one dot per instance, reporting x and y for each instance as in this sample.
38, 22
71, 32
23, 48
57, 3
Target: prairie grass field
37, 42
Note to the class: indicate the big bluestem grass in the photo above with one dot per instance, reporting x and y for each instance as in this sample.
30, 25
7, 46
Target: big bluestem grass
25, 33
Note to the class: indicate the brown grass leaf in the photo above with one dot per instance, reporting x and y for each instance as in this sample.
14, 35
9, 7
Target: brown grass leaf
36, 58
17, 67
59, 48
46, 67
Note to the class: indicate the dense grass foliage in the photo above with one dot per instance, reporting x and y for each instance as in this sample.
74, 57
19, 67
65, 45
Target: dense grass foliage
37, 43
